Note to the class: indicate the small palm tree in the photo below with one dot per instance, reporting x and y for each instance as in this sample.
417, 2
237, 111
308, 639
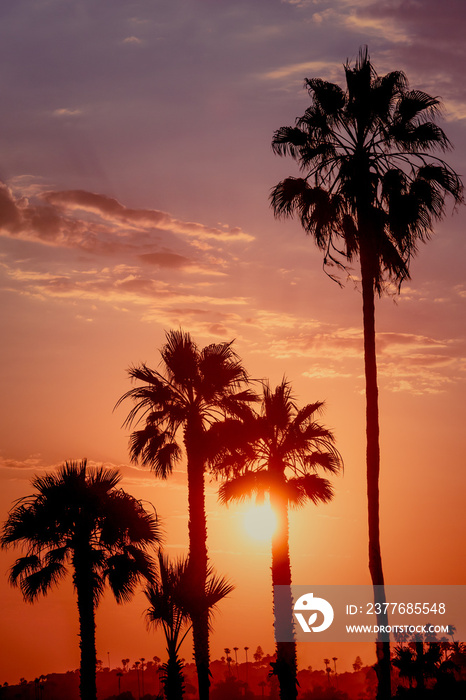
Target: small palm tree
119, 675
168, 611
335, 659
279, 453
136, 668
370, 190
228, 658
236, 649
246, 649
195, 389
77, 517
172, 607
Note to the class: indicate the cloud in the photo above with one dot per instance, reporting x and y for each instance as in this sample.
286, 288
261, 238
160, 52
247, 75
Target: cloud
406, 362
169, 260
133, 40
298, 69
326, 373
100, 225
67, 112
34, 462
111, 210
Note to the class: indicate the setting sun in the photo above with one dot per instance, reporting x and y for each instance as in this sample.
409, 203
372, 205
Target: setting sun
260, 521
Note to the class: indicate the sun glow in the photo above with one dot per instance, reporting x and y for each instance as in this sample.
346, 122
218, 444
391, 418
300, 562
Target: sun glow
260, 521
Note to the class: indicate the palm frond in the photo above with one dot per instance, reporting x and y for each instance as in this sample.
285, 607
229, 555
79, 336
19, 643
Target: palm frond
287, 196
328, 96
244, 486
125, 570
217, 588
23, 567
328, 461
288, 140
309, 487
155, 448
40, 580
180, 355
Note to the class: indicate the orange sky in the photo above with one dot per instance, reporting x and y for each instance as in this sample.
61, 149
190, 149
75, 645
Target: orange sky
136, 180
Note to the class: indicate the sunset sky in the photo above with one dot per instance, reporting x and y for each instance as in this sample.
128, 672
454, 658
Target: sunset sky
136, 168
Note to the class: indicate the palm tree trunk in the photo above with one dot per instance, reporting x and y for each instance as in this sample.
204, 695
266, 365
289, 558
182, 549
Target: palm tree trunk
373, 469
197, 527
286, 664
85, 594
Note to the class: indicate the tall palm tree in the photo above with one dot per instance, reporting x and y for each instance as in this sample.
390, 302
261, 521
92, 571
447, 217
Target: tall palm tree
78, 518
370, 190
236, 649
172, 606
282, 449
195, 389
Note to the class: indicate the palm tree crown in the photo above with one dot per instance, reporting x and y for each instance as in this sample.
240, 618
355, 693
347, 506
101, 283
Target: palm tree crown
197, 388
281, 450
79, 518
369, 185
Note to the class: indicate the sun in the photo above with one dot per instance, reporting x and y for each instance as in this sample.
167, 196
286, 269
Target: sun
260, 521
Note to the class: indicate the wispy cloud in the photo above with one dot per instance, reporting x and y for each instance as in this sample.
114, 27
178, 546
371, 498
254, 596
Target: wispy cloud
111, 210
298, 70
134, 40
67, 112
97, 223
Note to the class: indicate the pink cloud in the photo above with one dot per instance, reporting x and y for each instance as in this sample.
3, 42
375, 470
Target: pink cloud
111, 210
101, 225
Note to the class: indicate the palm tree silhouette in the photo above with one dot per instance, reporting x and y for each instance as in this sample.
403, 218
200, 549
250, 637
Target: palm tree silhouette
77, 517
236, 649
172, 607
136, 668
228, 658
335, 659
119, 675
167, 610
370, 191
142, 660
246, 649
196, 389
280, 452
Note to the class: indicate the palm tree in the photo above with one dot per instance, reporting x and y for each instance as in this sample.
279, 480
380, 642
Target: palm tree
246, 649
280, 454
136, 668
228, 658
236, 649
142, 660
335, 659
119, 675
168, 611
77, 517
172, 607
370, 190
196, 389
